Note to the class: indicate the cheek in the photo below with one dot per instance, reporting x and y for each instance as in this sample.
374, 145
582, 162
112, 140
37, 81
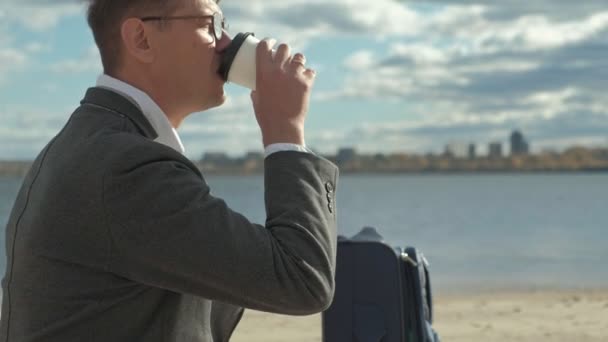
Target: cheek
183, 61
202, 50
172, 57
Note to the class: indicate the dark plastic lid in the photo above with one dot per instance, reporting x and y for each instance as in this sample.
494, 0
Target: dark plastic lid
229, 54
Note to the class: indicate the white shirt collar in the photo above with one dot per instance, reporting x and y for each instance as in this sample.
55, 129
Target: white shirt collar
167, 135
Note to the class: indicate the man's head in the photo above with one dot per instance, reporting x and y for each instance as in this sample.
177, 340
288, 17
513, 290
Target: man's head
175, 61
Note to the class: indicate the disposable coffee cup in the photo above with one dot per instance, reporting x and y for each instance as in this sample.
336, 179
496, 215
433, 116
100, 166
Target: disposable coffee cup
238, 64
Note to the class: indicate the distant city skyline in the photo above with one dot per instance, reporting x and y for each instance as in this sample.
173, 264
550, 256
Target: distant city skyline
455, 72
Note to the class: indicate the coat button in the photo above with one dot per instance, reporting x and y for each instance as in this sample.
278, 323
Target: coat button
329, 198
329, 187
330, 207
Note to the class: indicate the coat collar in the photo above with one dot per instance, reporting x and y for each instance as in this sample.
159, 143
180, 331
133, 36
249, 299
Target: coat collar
112, 101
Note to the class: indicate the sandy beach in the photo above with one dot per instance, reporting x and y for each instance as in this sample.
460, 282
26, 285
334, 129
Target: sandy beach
523, 316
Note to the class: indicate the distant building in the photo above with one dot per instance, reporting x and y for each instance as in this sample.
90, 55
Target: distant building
457, 150
519, 145
346, 155
495, 150
602, 154
217, 158
472, 151
252, 155
252, 161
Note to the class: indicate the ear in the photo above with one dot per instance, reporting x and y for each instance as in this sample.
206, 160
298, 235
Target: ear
136, 39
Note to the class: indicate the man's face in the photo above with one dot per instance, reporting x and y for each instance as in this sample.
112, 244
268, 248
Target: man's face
187, 57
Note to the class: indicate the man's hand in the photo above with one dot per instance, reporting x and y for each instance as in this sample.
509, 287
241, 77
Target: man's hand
283, 87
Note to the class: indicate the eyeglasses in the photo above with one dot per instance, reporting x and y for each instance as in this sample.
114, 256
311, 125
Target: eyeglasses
218, 22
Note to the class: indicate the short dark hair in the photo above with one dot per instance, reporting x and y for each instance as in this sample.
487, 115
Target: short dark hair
105, 18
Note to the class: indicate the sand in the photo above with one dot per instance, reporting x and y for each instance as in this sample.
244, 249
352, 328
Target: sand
491, 316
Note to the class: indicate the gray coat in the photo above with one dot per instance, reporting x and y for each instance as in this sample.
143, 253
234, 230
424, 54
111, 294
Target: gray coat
114, 237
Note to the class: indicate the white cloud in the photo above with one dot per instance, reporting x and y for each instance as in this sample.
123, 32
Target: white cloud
27, 129
473, 74
231, 127
88, 61
534, 33
468, 69
11, 60
509, 10
420, 54
299, 22
500, 65
36, 47
361, 60
41, 15
16, 59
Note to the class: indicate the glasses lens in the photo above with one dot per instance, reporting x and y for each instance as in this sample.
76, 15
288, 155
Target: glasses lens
217, 25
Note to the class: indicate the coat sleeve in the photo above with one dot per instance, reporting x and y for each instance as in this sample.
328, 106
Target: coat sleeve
167, 230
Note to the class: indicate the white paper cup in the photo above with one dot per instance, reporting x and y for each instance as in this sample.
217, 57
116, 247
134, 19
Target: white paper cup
238, 63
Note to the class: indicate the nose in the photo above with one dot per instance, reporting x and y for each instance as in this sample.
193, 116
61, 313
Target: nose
223, 43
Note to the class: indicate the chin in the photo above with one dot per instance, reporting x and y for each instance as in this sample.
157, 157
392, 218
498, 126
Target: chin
221, 96
215, 102
222, 99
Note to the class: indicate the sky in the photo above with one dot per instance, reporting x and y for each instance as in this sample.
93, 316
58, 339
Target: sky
392, 76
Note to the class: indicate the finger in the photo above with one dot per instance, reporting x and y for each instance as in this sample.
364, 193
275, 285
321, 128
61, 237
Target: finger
282, 55
264, 54
310, 74
269, 42
300, 57
297, 63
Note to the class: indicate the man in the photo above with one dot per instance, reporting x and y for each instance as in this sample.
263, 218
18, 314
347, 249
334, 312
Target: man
115, 236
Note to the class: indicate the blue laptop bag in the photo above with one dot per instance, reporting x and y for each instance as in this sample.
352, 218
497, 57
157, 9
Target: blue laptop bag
383, 294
